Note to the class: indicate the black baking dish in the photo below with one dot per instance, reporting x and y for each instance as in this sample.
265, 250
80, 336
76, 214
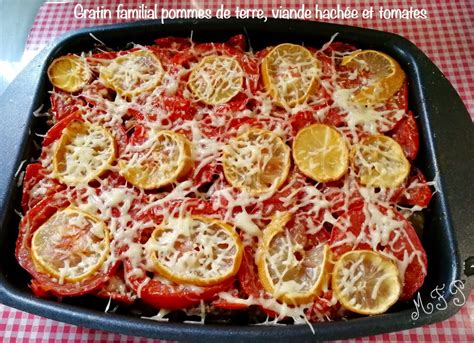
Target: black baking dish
446, 154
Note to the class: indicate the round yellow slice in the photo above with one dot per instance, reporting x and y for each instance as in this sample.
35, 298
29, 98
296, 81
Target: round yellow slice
198, 250
71, 245
256, 162
290, 74
380, 162
286, 268
366, 282
386, 76
83, 153
216, 79
134, 73
321, 153
164, 158
69, 73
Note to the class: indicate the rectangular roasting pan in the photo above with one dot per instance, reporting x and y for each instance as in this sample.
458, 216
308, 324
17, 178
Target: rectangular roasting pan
446, 152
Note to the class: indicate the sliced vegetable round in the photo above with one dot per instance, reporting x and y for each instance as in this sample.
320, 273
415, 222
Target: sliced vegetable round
69, 73
256, 162
290, 74
198, 250
287, 269
385, 78
216, 79
321, 153
164, 158
134, 73
83, 152
380, 162
71, 245
366, 282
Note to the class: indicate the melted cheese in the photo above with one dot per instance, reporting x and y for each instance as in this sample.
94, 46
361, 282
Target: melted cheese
129, 211
83, 152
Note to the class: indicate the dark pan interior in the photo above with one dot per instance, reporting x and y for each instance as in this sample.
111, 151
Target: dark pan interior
447, 243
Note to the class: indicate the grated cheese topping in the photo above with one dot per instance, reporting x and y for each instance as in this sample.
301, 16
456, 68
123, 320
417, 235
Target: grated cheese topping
222, 144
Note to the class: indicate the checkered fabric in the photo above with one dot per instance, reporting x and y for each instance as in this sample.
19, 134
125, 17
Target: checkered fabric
446, 36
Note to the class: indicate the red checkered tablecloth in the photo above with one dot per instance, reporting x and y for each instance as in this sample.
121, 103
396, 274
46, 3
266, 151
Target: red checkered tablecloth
446, 36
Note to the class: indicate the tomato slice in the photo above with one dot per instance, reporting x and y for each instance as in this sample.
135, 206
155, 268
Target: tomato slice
417, 191
406, 134
55, 132
353, 233
339, 47
116, 289
43, 283
227, 305
169, 295
109, 55
36, 175
63, 104
238, 42
175, 43
248, 274
167, 110
300, 120
323, 308
249, 279
286, 197
96, 93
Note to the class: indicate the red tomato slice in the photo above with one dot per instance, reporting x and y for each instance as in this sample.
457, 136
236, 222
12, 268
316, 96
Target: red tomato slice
174, 43
116, 289
226, 305
173, 296
334, 117
417, 192
35, 175
300, 120
167, 110
249, 279
406, 134
323, 309
300, 225
63, 104
178, 108
339, 47
238, 103
285, 198
55, 132
342, 195
43, 283
109, 55
248, 274
96, 93
238, 42
353, 233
